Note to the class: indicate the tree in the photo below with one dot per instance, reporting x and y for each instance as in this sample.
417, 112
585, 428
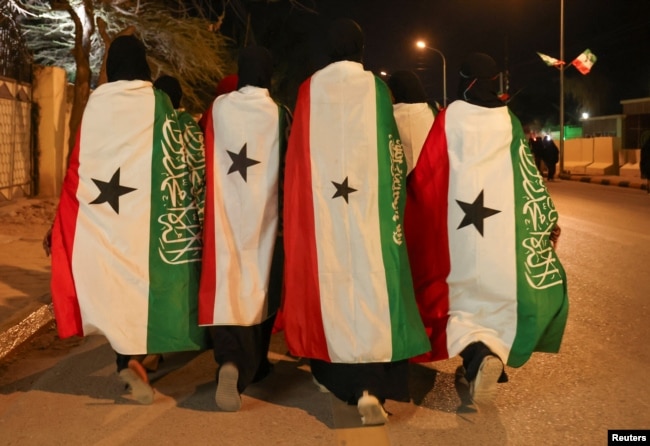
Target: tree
74, 34
15, 59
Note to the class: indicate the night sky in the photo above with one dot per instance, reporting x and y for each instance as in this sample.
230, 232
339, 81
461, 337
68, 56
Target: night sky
511, 31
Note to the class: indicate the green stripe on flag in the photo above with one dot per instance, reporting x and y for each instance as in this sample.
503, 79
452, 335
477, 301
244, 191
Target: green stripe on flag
174, 242
408, 339
542, 304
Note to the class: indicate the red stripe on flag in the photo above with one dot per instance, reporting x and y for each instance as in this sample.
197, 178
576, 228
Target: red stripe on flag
301, 310
425, 227
64, 291
208, 284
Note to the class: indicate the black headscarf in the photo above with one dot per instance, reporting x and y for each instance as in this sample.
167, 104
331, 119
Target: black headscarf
172, 87
255, 67
345, 41
479, 81
127, 60
406, 88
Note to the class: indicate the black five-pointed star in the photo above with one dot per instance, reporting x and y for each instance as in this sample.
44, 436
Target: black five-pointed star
475, 213
240, 162
110, 192
342, 189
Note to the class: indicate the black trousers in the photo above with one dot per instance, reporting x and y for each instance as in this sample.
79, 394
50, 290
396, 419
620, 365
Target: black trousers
122, 361
385, 380
246, 347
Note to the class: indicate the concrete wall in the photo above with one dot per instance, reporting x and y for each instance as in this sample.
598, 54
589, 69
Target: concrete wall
50, 85
592, 156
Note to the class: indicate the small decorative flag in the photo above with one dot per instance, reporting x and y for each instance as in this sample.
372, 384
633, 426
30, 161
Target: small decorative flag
584, 61
551, 61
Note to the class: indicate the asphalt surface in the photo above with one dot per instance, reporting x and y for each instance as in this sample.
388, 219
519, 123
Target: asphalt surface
33, 362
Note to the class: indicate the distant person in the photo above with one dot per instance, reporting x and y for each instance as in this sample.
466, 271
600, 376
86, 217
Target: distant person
241, 279
414, 116
126, 245
481, 228
536, 145
349, 305
644, 163
550, 156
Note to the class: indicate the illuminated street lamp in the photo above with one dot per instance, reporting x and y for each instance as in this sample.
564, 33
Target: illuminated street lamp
422, 45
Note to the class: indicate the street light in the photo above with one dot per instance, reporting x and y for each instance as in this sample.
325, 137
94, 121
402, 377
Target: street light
561, 66
422, 45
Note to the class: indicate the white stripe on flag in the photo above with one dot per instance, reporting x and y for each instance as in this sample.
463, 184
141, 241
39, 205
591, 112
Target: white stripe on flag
483, 296
116, 133
245, 212
351, 270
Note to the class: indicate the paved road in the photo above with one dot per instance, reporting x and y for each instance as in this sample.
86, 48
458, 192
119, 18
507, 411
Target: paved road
66, 392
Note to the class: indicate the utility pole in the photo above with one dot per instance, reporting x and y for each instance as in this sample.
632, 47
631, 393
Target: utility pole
562, 86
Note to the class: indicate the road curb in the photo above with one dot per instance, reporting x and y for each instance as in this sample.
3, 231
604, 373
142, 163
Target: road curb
15, 336
631, 184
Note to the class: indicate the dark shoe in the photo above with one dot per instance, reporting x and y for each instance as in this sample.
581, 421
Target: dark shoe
227, 396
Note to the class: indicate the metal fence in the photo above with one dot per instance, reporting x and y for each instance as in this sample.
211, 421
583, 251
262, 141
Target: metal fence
16, 160
16, 154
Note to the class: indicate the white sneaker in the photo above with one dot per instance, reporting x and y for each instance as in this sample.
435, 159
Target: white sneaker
321, 388
371, 410
227, 396
140, 390
483, 389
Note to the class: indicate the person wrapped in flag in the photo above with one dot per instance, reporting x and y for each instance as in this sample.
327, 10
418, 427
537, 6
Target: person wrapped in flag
414, 116
242, 259
480, 229
126, 239
348, 304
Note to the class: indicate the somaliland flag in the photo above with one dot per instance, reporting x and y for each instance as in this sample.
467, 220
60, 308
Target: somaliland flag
126, 244
478, 219
243, 139
348, 290
584, 61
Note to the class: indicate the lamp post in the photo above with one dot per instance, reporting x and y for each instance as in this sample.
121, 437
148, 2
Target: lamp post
562, 87
421, 44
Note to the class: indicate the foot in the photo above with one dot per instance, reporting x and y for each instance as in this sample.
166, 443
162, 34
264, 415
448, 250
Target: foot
483, 388
321, 388
152, 362
371, 410
141, 391
227, 396
138, 369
